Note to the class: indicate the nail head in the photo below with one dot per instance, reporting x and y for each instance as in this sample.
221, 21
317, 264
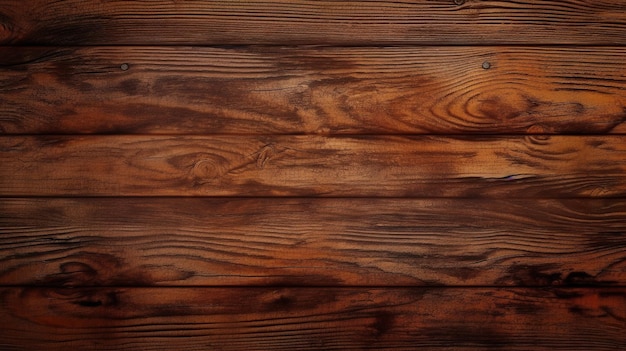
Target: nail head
459, 2
124, 66
486, 65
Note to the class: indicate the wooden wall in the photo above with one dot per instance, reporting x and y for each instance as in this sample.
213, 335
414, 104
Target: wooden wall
313, 175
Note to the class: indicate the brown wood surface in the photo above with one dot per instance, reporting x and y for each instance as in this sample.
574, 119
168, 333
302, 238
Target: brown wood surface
93, 22
312, 242
263, 90
383, 166
312, 319
313, 175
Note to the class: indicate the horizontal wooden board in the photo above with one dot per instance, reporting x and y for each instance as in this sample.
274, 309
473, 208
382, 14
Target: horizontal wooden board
383, 166
312, 242
196, 22
312, 319
438, 90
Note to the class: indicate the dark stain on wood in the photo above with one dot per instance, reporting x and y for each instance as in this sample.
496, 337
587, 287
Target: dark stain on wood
302, 23
533, 275
383, 323
106, 300
360, 317
539, 275
477, 335
305, 175
300, 90
104, 269
383, 166
88, 303
190, 241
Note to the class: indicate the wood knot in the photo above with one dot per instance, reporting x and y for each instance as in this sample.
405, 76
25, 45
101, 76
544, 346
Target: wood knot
264, 155
205, 169
279, 300
76, 274
536, 129
383, 322
7, 30
96, 298
538, 139
282, 301
599, 191
77, 267
202, 167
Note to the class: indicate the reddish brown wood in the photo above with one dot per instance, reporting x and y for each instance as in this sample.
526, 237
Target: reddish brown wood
312, 319
381, 166
267, 90
313, 242
270, 130
370, 22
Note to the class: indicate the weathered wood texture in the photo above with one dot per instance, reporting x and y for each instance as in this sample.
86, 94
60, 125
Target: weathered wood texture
313, 175
295, 242
93, 22
442, 90
312, 319
561, 166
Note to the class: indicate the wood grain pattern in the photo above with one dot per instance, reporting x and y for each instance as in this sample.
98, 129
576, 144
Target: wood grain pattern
312, 319
313, 175
92, 22
384, 166
312, 242
439, 90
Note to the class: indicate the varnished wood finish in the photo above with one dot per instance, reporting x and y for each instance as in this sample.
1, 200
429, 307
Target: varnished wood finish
369, 22
313, 319
313, 175
382, 166
441, 90
356, 242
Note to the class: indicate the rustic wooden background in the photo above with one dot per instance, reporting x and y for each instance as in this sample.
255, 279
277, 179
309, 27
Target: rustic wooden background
313, 175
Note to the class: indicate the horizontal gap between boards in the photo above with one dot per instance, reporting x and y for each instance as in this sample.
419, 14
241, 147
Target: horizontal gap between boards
270, 286
330, 135
322, 45
320, 197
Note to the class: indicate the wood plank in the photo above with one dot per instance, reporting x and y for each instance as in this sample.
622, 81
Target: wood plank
438, 90
196, 22
312, 242
384, 166
312, 319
